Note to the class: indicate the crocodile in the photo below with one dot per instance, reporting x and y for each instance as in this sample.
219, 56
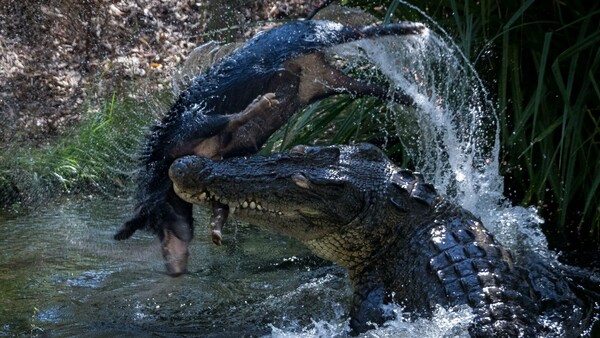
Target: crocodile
401, 241
233, 107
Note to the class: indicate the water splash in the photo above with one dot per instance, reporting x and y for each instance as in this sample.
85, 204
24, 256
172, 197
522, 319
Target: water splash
452, 133
452, 322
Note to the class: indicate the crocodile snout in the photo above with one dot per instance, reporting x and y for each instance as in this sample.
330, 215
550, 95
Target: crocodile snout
188, 168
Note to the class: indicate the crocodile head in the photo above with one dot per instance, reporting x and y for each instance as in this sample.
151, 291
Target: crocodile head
330, 198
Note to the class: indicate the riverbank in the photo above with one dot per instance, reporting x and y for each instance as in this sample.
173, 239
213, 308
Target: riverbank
60, 56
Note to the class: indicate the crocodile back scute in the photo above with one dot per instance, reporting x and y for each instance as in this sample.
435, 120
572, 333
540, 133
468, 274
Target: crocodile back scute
475, 270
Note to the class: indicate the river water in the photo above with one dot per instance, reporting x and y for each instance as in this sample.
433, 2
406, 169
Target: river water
62, 274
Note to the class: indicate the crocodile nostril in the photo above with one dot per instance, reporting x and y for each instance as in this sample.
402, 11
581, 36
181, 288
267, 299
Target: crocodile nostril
189, 166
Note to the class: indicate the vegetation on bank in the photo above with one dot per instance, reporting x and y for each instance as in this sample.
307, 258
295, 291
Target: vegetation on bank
539, 60
97, 156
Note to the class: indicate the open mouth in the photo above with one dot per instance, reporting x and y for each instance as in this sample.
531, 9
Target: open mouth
207, 196
222, 207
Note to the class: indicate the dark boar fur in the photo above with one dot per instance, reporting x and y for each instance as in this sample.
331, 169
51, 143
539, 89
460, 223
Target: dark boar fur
232, 109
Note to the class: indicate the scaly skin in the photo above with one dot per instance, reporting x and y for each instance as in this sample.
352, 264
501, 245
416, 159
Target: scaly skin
233, 108
401, 241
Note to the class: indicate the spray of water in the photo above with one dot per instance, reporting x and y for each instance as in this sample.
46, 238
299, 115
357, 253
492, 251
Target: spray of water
452, 133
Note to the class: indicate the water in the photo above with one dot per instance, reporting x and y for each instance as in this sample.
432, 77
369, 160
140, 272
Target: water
62, 274
452, 136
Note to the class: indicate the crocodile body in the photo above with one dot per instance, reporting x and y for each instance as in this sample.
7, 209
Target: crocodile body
401, 240
233, 108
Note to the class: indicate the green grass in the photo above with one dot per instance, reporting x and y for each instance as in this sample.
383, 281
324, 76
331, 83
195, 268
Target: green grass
97, 155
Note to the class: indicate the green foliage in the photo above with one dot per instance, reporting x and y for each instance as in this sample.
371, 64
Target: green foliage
98, 154
340, 119
548, 94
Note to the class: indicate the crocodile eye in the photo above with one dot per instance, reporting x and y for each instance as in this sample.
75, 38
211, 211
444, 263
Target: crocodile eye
301, 180
298, 150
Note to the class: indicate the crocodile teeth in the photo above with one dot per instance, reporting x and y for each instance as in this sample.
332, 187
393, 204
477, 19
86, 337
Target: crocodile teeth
235, 205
